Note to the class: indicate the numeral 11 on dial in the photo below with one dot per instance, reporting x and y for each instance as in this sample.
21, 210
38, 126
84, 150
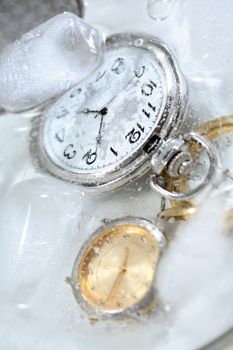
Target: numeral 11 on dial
147, 113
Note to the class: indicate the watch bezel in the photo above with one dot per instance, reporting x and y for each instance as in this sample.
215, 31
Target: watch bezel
168, 124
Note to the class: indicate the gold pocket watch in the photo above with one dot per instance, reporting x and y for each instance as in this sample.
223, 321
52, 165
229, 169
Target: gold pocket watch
113, 275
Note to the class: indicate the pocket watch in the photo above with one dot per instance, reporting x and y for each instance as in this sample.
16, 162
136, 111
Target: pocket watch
121, 121
102, 132
113, 274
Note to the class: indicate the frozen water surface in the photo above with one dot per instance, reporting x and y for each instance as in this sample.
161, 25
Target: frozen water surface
43, 222
47, 61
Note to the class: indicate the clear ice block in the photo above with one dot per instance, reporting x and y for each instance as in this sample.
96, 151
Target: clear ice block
18, 17
47, 61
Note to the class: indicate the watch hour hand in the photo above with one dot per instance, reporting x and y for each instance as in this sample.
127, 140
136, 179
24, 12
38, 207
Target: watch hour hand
102, 111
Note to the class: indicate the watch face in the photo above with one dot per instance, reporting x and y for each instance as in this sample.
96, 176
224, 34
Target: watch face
99, 131
107, 118
117, 268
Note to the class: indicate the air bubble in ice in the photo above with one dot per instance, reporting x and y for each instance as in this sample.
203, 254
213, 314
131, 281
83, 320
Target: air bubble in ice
160, 9
47, 61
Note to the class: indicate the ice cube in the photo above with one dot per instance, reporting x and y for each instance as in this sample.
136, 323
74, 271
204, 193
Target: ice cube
160, 9
47, 61
18, 17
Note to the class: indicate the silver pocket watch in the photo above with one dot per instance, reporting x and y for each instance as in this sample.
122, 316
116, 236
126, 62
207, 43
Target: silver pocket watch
121, 121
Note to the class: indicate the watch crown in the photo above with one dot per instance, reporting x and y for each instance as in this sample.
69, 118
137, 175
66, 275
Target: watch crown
179, 161
168, 150
180, 164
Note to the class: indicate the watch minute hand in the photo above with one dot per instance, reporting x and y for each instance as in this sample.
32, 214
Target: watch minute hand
124, 88
99, 137
119, 277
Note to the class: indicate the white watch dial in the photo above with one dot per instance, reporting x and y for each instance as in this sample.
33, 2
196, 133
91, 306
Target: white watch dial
108, 117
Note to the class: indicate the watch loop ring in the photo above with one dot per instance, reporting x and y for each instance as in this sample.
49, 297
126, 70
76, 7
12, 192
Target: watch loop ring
190, 138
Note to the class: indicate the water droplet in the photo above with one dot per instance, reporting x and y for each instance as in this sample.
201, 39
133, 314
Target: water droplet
43, 196
23, 306
205, 56
167, 308
96, 249
171, 220
160, 9
144, 239
138, 42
